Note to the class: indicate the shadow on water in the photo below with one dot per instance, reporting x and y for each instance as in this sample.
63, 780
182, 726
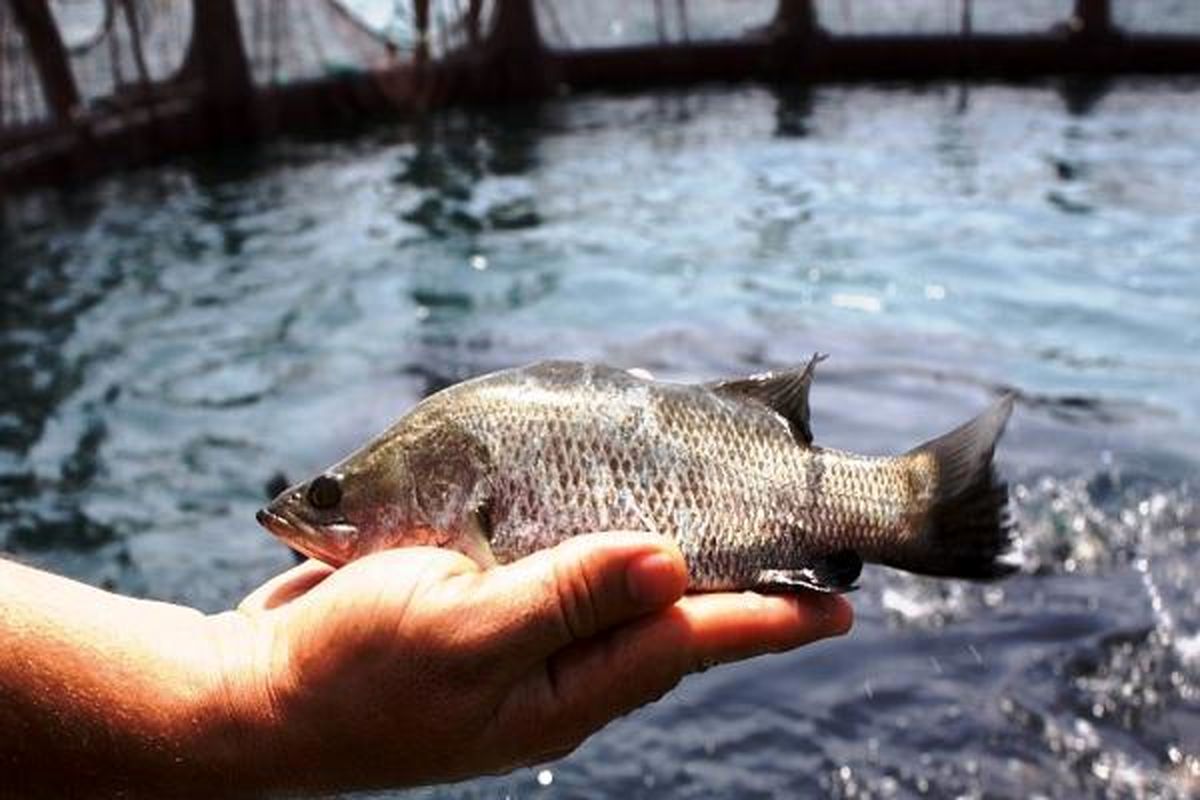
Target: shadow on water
1082, 96
794, 106
453, 152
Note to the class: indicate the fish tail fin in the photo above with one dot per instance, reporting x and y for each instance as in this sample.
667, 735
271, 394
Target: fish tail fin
966, 530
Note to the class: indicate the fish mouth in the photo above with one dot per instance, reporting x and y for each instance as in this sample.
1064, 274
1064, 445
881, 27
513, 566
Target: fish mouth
334, 550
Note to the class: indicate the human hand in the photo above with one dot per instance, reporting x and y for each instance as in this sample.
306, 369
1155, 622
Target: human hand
414, 666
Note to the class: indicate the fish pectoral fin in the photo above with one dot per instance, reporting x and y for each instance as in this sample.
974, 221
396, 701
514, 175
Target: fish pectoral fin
785, 393
832, 574
476, 540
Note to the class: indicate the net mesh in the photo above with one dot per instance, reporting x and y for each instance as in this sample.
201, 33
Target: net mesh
116, 46
119, 50
1157, 16
21, 100
871, 17
614, 23
293, 40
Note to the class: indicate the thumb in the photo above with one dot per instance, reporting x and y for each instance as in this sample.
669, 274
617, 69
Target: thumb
285, 587
583, 586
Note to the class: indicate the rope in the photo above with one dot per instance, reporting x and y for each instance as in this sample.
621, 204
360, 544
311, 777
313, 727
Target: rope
96, 39
133, 25
360, 32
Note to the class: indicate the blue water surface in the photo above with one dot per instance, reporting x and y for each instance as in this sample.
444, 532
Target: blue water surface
174, 338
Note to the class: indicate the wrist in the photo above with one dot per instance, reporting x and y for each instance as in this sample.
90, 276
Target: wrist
236, 728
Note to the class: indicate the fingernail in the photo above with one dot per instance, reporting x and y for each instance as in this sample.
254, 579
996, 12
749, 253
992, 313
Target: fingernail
655, 580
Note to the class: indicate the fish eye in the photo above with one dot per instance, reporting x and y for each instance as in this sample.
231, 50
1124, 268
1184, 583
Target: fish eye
324, 492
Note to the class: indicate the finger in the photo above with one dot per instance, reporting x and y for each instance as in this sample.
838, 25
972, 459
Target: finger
596, 681
730, 627
583, 586
286, 586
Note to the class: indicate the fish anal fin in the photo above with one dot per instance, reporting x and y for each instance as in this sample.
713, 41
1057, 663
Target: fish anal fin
832, 574
785, 393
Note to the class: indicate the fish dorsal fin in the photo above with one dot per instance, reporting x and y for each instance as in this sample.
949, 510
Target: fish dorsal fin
965, 453
785, 393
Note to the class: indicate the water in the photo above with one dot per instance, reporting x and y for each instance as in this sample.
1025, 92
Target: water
174, 338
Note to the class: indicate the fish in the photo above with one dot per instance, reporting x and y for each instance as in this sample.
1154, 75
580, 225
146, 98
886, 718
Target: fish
505, 464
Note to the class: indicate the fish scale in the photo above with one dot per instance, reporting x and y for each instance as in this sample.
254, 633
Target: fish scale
633, 447
516, 461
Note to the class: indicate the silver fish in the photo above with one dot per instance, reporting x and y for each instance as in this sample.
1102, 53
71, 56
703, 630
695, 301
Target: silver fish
514, 461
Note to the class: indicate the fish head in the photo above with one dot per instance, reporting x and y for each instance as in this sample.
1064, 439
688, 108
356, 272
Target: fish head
407, 488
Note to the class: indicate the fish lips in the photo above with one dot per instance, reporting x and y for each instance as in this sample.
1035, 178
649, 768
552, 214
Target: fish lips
335, 543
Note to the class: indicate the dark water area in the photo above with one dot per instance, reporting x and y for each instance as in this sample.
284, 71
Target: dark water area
173, 338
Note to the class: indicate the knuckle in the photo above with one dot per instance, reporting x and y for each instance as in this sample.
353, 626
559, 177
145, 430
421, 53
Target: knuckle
686, 658
575, 599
